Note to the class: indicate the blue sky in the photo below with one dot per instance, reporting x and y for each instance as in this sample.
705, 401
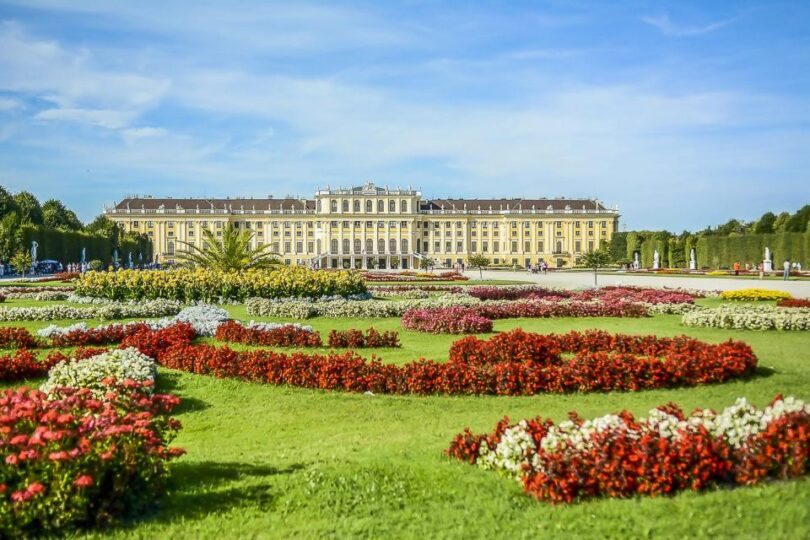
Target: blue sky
683, 113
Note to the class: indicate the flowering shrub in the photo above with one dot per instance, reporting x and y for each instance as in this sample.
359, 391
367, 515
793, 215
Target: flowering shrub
283, 335
794, 302
154, 308
203, 318
94, 373
355, 339
18, 338
619, 455
500, 309
750, 318
455, 320
754, 295
79, 461
636, 294
209, 285
384, 290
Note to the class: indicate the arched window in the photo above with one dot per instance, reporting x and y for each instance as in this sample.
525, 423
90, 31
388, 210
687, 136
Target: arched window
356, 206
559, 246
333, 245
333, 206
392, 206
381, 245
357, 245
345, 206
380, 207
369, 245
392, 245
170, 247
404, 245
403, 206
369, 206
345, 245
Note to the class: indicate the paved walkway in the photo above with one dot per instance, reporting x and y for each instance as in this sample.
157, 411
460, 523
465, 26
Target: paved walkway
572, 280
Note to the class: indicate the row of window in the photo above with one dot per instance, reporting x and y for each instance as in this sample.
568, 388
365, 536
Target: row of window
309, 224
356, 206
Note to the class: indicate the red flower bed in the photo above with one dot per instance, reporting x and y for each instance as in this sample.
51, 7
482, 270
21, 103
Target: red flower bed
491, 292
523, 364
153, 342
285, 336
114, 333
24, 364
545, 309
453, 320
78, 460
636, 294
794, 302
18, 338
357, 340
629, 456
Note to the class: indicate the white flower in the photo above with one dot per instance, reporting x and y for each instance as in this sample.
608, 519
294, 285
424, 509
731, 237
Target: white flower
89, 373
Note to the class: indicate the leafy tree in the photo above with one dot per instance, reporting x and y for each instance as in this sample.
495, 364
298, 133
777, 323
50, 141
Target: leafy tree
58, 217
29, 210
394, 262
765, 225
479, 261
425, 262
781, 222
106, 227
9, 235
231, 252
7, 203
596, 260
21, 262
798, 221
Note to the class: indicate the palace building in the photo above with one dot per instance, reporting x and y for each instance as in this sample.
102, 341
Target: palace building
376, 227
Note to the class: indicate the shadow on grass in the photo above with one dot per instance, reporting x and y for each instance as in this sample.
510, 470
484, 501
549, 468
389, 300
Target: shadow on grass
763, 372
168, 383
197, 490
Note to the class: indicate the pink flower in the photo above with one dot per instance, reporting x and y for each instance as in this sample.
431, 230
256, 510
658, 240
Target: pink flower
83, 481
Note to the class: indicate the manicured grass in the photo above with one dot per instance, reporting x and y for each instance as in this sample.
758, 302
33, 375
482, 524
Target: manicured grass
267, 462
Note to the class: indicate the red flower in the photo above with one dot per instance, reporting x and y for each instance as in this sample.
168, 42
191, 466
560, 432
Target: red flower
83, 481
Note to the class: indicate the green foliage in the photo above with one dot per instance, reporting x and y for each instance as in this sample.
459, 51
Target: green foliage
232, 252
57, 216
478, 260
21, 262
617, 247
29, 210
9, 235
798, 221
95, 265
765, 225
7, 203
595, 260
424, 263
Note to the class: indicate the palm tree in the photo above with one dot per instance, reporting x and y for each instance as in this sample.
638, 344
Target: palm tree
230, 252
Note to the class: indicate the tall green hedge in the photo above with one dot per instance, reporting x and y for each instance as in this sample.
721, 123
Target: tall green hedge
723, 251
66, 246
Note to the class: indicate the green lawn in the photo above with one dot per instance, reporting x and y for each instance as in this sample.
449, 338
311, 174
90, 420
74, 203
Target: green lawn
266, 462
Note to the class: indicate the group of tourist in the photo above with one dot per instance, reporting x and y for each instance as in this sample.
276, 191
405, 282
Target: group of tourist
541, 267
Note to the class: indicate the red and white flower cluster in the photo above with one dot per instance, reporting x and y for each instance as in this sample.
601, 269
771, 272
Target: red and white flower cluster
619, 455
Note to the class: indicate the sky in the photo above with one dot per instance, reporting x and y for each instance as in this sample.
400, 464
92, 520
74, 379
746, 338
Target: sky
684, 113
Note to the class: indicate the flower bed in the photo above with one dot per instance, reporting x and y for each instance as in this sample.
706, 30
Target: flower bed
24, 364
619, 455
18, 338
636, 295
602, 362
282, 335
304, 309
95, 372
794, 302
520, 292
356, 339
41, 296
455, 320
207, 285
78, 460
500, 309
750, 318
412, 276
154, 308
754, 295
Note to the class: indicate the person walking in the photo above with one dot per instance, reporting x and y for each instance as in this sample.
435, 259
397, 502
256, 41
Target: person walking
736, 268
786, 266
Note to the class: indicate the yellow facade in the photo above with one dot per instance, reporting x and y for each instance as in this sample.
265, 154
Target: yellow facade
374, 227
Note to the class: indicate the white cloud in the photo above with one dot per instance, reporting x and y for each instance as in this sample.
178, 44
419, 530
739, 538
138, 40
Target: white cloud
667, 27
110, 119
8, 104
